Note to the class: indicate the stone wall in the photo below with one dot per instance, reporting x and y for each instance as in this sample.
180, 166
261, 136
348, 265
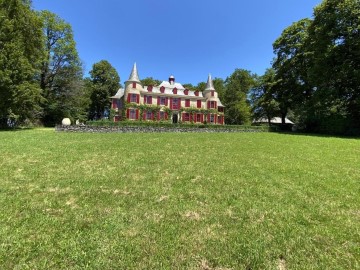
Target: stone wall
143, 129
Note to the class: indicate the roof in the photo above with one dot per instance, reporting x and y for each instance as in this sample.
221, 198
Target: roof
172, 86
169, 90
275, 120
134, 76
119, 94
209, 84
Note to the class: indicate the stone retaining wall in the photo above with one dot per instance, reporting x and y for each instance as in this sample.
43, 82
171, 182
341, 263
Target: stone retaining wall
143, 129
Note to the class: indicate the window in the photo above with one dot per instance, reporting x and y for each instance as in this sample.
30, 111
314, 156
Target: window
162, 100
162, 89
196, 93
115, 104
187, 102
212, 104
132, 114
212, 93
176, 103
133, 98
149, 88
134, 85
175, 90
162, 115
186, 92
186, 116
148, 99
198, 103
148, 115
212, 118
198, 118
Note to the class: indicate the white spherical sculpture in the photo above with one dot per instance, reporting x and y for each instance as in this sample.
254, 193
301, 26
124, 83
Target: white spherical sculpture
66, 122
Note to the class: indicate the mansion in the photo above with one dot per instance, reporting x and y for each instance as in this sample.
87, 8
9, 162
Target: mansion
167, 101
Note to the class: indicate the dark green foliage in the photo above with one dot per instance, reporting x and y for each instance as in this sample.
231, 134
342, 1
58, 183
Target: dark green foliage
263, 103
318, 69
219, 86
335, 41
20, 52
61, 74
237, 87
200, 86
105, 81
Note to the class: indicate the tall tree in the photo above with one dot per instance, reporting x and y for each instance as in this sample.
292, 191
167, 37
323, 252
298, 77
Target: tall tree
263, 103
237, 87
105, 82
291, 65
335, 41
61, 72
20, 52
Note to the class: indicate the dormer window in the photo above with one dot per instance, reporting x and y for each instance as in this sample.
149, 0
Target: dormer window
186, 92
197, 93
149, 88
175, 91
162, 89
134, 85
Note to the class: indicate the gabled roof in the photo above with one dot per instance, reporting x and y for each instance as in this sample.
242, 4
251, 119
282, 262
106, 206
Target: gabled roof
172, 86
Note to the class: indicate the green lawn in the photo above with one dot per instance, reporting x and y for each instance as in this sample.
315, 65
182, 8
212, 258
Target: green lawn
178, 201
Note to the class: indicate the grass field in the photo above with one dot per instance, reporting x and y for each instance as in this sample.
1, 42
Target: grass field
178, 201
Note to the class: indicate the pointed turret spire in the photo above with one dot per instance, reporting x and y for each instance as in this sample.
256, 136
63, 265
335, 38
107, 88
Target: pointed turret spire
134, 76
209, 84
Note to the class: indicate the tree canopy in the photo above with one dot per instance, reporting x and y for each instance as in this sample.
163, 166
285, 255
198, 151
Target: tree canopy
237, 87
61, 72
317, 68
105, 81
20, 52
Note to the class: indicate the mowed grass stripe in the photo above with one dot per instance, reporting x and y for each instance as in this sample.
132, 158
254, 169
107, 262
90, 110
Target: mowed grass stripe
178, 201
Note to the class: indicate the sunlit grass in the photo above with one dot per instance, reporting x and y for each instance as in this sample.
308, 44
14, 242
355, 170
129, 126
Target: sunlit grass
178, 201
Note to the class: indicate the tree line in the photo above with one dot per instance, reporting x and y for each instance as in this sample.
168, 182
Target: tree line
313, 80
41, 75
315, 75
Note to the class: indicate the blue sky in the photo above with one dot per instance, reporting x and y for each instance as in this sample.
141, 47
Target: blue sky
186, 38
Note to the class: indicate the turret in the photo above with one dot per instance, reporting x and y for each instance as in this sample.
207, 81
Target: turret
210, 91
133, 86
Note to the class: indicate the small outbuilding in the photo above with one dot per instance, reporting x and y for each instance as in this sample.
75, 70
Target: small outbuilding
274, 121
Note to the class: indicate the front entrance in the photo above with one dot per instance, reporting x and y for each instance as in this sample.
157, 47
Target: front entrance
175, 118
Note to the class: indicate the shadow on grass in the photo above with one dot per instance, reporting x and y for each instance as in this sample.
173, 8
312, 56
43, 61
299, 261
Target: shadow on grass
318, 135
17, 129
